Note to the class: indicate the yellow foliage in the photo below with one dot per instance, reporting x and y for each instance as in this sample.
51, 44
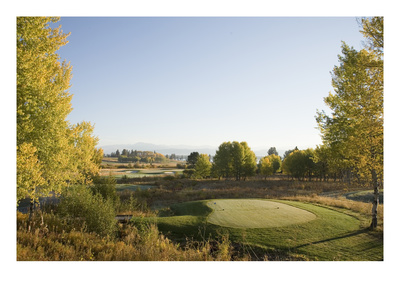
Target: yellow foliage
50, 152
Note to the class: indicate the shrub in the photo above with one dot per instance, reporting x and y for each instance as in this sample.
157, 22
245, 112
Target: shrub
106, 187
83, 208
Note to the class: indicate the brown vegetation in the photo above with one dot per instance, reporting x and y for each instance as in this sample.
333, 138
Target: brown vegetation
50, 237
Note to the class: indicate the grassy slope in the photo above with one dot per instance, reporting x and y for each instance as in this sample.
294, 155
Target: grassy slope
333, 235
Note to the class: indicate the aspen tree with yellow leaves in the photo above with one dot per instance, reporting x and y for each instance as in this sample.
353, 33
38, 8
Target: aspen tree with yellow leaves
51, 153
355, 126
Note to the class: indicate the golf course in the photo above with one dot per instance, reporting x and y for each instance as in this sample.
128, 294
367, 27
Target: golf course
245, 213
282, 229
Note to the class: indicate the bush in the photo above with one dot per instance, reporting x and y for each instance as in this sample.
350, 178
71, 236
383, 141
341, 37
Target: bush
106, 187
83, 208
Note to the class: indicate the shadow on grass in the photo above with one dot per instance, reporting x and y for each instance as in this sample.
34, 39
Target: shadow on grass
353, 234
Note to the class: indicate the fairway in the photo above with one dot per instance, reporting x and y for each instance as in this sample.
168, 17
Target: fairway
249, 213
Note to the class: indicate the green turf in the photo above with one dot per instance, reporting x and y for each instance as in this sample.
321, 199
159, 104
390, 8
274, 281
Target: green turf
329, 233
365, 196
245, 213
145, 173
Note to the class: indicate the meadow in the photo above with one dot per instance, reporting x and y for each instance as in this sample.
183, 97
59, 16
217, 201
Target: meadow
169, 217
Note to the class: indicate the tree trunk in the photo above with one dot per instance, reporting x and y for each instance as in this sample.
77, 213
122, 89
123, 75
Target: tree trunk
375, 202
31, 208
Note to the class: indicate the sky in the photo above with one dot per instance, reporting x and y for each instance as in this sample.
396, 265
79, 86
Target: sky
204, 80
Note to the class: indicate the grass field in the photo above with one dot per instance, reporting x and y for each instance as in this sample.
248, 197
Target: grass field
302, 230
246, 213
140, 173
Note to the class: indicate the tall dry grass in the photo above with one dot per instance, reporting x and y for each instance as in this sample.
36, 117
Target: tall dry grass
48, 239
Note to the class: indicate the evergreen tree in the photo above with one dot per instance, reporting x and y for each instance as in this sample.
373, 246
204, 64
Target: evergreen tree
192, 159
272, 150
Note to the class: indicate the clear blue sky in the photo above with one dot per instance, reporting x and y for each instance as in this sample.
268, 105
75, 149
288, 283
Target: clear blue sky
203, 81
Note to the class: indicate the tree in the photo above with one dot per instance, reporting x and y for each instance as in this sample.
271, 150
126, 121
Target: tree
237, 157
202, 168
266, 168
299, 164
29, 174
249, 161
51, 153
272, 150
222, 166
310, 167
372, 29
293, 164
192, 159
356, 123
234, 159
289, 151
84, 158
276, 162
269, 165
321, 159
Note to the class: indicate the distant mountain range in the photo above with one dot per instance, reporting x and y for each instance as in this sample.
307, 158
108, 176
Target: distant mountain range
175, 149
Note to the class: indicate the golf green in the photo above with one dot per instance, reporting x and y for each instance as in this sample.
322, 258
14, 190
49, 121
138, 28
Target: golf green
251, 213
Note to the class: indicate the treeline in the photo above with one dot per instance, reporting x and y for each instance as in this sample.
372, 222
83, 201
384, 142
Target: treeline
320, 163
144, 156
127, 156
231, 160
234, 160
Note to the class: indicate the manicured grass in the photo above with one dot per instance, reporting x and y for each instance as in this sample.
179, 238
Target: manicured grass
332, 234
365, 196
245, 213
139, 173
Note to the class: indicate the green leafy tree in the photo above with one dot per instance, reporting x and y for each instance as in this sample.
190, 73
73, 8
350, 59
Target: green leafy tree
355, 125
276, 162
237, 157
222, 166
299, 164
293, 164
310, 166
289, 151
202, 168
249, 162
321, 159
51, 153
234, 159
265, 166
